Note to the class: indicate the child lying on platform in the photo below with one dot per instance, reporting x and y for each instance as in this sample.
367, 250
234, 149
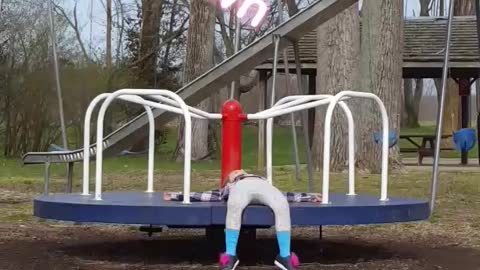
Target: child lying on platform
217, 195
243, 189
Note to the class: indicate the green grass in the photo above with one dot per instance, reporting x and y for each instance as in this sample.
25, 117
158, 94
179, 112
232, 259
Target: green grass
456, 219
282, 153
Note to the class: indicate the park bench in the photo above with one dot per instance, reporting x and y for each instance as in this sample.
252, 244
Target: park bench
426, 148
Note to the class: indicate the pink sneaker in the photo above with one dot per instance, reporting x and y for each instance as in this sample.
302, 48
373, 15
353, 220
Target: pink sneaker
228, 262
287, 263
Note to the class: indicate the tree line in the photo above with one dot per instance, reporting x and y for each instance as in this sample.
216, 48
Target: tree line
167, 43
145, 47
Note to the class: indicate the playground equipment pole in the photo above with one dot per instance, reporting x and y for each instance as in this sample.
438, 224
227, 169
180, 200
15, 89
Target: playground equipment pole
477, 8
306, 135
276, 41
57, 74
441, 109
276, 44
292, 120
238, 32
292, 115
232, 118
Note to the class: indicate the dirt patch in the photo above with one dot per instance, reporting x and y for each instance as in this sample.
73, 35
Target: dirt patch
39, 246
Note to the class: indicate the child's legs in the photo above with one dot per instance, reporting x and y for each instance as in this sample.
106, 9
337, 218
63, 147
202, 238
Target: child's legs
273, 198
270, 196
238, 200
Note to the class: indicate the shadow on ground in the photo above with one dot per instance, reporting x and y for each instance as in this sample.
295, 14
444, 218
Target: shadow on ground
200, 251
79, 248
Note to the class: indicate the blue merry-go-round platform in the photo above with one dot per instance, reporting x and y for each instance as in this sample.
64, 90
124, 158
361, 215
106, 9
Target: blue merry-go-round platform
150, 208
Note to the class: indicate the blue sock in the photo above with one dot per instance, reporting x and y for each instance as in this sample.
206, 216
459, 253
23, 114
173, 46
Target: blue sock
231, 239
283, 239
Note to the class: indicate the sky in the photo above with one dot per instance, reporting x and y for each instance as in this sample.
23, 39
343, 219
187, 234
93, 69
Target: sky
92, 19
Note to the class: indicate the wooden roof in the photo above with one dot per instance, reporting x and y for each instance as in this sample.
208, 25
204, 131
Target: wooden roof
424, 42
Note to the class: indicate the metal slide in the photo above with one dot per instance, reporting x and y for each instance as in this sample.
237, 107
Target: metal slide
210, 82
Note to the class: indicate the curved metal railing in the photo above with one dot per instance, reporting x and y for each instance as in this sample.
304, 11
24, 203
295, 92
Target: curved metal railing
169, 101
327, 134
173, 104
292, 104
302, 102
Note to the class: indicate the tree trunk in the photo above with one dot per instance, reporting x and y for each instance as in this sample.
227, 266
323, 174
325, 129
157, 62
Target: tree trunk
411, 102
121, 23
417, 98
464, 8
199, 58
292, 7
424, 5
337, 70
381, 67
151, 12
407, 93
171, 24
452, 106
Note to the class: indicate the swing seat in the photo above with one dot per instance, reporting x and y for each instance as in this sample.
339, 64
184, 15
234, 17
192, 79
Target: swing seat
464, 139
392, 138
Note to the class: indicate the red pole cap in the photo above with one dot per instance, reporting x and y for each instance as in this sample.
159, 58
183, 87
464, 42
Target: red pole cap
232, 111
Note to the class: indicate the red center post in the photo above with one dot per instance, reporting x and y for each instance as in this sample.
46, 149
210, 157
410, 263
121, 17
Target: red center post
232, 118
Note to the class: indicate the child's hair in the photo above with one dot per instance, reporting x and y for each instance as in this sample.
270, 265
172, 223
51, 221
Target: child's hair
229, 176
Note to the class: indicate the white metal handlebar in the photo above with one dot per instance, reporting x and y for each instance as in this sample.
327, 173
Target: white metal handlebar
193, 110
188, 132
326, 148
86, 141
295, 103
86, 138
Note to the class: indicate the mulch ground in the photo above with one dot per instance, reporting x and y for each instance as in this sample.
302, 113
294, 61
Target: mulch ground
447, 241
50, 246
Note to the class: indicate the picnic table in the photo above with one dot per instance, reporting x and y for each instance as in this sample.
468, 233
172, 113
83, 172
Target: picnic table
426, 148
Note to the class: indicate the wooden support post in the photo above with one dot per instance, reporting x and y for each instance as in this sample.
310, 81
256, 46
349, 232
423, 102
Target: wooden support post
262, 84
46, 183
312, 90
477, 12
69, 185
478, 116
247, 238
464, 91
216, 237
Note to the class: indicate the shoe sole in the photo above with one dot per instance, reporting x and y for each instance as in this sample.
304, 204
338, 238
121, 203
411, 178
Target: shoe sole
279, 265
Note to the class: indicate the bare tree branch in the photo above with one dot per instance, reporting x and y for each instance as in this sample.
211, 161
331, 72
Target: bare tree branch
74, 24
176, 34
227, 40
